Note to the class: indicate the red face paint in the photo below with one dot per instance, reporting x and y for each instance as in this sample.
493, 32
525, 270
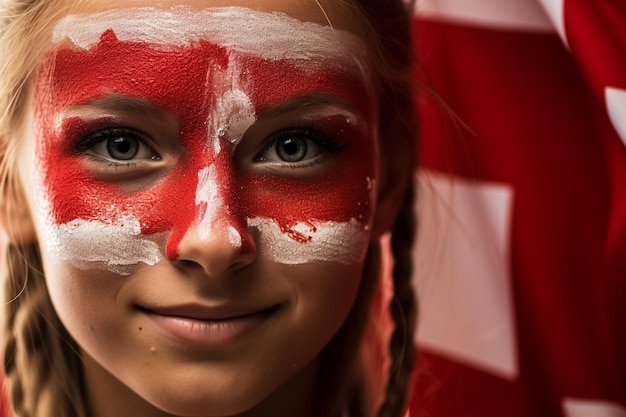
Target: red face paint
183, 81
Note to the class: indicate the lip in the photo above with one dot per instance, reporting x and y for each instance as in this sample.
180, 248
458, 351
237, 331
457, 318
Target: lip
208, 326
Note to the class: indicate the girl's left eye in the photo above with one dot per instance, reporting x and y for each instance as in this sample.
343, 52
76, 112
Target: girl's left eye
118, 145
296, 145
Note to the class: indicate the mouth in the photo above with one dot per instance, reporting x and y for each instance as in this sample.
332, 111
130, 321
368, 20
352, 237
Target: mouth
208, 326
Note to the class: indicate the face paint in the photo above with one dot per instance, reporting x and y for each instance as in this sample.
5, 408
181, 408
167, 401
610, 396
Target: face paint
215, 76
116, 247
269, 36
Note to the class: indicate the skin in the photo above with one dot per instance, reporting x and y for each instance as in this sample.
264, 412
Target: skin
133, 365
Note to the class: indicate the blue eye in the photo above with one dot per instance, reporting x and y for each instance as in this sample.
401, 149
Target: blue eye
118, 145
295, 145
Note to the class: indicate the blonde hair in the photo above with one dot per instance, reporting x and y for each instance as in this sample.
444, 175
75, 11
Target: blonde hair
24, 28
41, 360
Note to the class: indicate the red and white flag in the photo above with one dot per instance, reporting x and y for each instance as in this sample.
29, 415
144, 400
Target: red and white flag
521, 257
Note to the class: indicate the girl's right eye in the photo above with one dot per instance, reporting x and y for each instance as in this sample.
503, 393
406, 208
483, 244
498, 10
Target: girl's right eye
118, 145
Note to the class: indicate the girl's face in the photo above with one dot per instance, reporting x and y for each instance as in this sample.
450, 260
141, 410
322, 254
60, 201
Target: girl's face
203, 182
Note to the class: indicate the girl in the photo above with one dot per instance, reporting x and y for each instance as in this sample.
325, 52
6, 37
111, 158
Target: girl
194, 194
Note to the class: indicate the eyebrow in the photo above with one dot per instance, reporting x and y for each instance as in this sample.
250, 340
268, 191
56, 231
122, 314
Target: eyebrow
297, 103
130, 104
144, 107
118, 103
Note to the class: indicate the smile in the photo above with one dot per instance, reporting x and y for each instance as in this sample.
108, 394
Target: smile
205, 326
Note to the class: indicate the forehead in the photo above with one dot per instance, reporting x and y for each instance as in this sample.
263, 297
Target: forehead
202, 53
267, 35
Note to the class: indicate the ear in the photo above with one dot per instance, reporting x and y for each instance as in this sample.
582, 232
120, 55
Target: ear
15, 217
394, 178
397, 153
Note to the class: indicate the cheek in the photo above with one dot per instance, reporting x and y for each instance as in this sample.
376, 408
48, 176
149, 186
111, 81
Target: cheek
326, 294
316, 220
93, 223
81, 298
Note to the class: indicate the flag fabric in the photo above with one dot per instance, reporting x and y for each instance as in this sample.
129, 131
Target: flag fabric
521, 254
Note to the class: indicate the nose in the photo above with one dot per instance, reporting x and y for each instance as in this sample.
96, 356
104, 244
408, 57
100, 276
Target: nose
221, 250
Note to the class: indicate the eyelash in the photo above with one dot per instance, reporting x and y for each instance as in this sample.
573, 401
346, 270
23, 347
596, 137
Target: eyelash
307, 132
90, 140
328, 144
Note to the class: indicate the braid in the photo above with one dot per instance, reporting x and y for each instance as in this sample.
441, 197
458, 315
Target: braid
41, 363
403, 312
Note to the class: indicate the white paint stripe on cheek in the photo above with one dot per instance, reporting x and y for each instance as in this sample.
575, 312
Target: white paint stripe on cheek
273, 36
91, 244
344, 242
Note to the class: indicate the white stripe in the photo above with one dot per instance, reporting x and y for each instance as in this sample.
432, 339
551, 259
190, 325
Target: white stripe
89, 244
574, 407
274, 36
616, 107
207, 193
120, 247
232, 113
344, 242
463, 272
519, 15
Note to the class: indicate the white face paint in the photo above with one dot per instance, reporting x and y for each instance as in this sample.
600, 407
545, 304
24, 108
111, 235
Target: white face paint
208, 196
118, 245
272, 36
233, 112
328, 241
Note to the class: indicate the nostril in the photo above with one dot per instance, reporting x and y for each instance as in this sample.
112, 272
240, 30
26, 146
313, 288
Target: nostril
187, 264
248, 246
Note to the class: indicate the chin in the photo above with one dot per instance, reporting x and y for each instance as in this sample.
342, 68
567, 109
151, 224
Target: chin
203, 402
